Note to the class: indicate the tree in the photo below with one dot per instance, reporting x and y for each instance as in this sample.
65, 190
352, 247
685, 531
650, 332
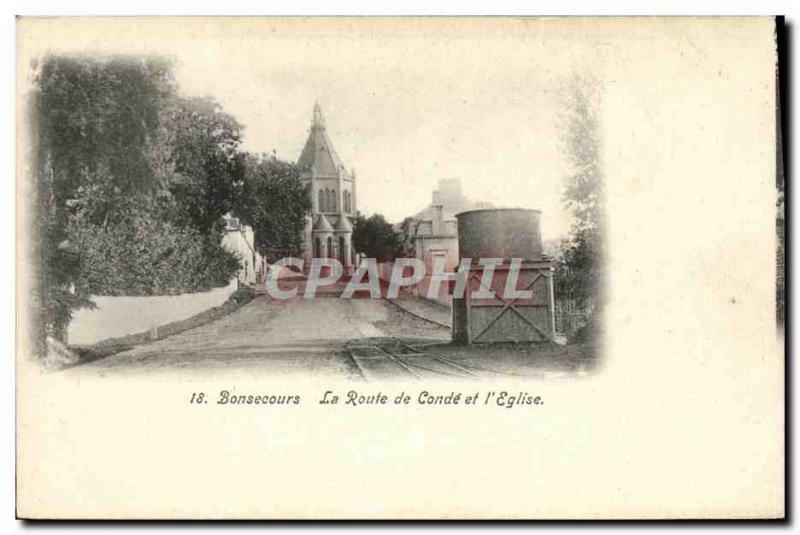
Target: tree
377, 238
129, 180
203, 167
91, 120
580, 268
95, 120
275, 204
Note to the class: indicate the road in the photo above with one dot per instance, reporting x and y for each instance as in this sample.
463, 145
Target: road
276, 337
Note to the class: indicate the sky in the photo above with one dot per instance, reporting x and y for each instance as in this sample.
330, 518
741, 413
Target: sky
404, 108
407, 102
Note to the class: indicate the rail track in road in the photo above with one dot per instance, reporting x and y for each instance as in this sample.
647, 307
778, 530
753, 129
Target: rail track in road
391, 357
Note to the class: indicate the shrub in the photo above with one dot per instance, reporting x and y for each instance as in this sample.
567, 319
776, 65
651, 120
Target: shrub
145, 256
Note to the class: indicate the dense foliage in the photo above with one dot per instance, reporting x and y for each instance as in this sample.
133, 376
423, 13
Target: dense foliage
376, 238
580, 266
131, 181
275, 204
146, 255
207, 169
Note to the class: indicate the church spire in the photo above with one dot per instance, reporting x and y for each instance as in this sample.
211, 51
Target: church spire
318, 121
318, 153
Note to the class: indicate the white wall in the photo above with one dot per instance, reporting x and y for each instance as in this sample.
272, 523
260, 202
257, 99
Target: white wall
124, 315
240, 242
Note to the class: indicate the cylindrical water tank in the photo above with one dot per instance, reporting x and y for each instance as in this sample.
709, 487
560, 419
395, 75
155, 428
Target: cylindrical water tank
500, 233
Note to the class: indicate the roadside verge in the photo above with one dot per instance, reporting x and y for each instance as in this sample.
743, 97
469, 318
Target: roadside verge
111, 346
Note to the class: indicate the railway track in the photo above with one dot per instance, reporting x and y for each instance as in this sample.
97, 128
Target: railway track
385, 358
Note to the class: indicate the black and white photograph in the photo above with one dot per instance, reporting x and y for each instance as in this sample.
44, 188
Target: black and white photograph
172, 236
535, 253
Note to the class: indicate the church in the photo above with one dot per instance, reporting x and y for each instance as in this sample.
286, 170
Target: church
329, 228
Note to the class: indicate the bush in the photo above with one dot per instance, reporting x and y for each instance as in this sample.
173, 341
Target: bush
145, 256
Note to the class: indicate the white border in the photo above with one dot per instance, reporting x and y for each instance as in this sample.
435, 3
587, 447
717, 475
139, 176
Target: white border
302, 7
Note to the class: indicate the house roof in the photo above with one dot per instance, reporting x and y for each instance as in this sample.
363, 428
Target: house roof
452, 201
318, 152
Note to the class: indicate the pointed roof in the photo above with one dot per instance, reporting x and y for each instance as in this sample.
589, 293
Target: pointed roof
343, 225
322, 224
318, 152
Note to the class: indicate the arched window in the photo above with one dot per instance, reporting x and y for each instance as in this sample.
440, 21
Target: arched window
329, 252
334, 202
321, 201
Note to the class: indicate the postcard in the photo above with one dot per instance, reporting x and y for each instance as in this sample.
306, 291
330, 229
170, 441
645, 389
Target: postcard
399, 268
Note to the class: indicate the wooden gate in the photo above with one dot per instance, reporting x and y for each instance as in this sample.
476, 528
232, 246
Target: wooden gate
477, 318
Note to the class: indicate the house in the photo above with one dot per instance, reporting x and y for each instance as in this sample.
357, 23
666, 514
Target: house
240, 240
434, 230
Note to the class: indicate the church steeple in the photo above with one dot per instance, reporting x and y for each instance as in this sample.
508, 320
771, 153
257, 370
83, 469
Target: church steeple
333, 196
318, 153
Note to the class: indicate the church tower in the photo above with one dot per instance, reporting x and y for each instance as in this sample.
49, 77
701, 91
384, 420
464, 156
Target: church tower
329, 229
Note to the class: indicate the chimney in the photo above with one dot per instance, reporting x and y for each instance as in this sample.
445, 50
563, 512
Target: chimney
438, 215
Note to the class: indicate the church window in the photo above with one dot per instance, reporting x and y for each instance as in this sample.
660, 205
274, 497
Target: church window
333, 201
321, 201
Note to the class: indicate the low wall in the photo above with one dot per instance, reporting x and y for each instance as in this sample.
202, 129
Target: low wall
120, 316
420, 289
443, 296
